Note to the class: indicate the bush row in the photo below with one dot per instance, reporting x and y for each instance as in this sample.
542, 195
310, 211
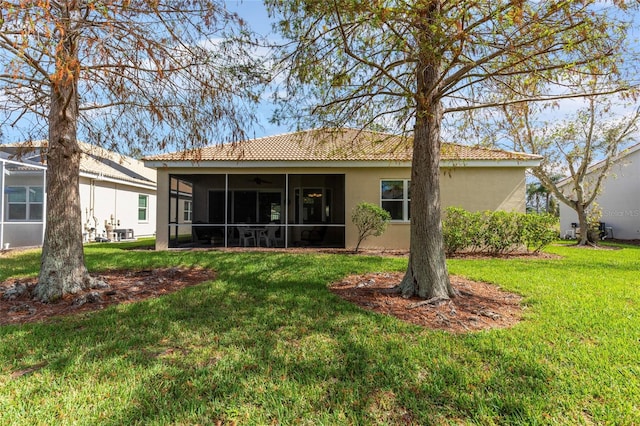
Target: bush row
496, 232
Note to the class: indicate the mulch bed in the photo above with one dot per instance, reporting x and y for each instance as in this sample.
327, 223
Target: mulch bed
479, 306
18, 307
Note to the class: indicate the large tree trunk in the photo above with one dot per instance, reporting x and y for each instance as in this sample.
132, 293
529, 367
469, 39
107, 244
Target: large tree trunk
62, 269
427, 275
583, 224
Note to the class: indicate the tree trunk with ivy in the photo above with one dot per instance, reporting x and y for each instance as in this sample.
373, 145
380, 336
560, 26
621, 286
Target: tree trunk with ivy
583, 225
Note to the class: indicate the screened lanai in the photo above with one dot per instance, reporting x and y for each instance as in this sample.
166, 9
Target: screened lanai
23, 206
256, 210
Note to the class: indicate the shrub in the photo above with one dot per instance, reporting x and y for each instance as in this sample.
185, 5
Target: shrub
455, 230
496, 231
539, 230
371, 220
501, 231
476, 229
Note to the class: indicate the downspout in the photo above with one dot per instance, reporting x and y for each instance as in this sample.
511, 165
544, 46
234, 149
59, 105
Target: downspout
92, 204
115, 205
91, 211
92, 185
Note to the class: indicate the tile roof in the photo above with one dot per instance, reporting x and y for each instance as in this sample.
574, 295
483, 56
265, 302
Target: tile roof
94, 160
15, 164
332, 145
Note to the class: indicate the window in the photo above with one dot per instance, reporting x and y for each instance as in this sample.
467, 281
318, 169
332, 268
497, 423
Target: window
313, 205
25, 203
143, 208
395, 197
188, 211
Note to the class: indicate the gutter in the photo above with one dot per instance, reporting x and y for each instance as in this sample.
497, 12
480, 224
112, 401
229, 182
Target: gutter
335, 164
103, 178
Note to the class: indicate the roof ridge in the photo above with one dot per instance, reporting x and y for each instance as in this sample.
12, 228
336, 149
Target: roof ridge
338, 144
98, 160
493, 149
41, 142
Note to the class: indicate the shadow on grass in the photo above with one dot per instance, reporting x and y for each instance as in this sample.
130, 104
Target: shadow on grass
267, 342
17, 264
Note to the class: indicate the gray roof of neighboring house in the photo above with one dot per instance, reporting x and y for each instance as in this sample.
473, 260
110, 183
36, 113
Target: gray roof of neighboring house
622, 155
94, 161
22, 164
333, 145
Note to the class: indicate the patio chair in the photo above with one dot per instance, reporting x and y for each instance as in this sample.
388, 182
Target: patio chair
261, 236
605, 231
247, 236
272, 239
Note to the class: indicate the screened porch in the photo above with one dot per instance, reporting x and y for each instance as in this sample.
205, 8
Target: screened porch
257, 210
23, 203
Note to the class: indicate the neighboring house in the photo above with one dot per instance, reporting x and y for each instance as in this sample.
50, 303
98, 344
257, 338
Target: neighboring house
117, 195
619, 198
23, 202
299, 189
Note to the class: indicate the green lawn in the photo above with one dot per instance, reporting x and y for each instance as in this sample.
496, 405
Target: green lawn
267, 343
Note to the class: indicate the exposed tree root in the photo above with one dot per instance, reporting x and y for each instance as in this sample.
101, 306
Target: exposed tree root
434, 301
393, 290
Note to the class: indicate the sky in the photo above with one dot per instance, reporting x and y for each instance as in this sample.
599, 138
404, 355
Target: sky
254, 12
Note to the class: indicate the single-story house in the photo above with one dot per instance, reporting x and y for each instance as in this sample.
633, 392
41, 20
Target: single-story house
23, 203
619, 198
299, 189
117, 195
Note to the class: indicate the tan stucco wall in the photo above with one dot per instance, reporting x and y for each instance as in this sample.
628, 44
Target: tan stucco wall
162, 210
475, 189
480, 188
364, 185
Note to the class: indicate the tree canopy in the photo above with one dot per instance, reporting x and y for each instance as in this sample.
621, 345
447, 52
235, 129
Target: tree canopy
402, 65
583, 146
139, 75
354, 62
149, 73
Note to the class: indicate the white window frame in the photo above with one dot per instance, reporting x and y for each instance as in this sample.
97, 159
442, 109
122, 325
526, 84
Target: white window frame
405, 198
27, 203
187, 212
145, 208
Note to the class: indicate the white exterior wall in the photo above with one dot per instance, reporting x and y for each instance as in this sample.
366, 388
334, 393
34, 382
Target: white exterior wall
22, 233
619, 200
102, 199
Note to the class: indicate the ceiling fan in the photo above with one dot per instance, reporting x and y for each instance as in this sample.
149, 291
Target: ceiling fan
259, 181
